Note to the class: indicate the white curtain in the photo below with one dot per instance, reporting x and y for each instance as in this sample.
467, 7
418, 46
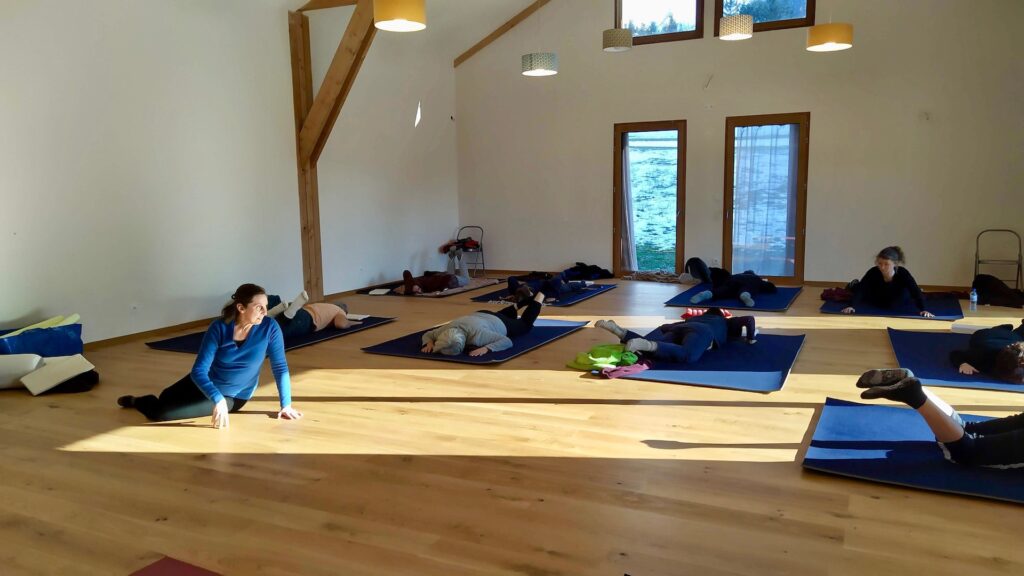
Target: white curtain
627, 244
764, 199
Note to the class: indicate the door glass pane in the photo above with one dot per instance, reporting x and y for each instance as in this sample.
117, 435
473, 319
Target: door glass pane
652, 176
765, 199
653, 17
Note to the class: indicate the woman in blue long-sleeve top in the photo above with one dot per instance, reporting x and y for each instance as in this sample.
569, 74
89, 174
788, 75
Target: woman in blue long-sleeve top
226, 372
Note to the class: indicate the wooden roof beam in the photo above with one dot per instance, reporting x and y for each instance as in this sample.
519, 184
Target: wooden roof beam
321, 4
501, 30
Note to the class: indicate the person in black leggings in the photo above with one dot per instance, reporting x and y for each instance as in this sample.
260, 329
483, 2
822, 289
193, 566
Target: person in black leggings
687, 341
997, 443
744, 286
485, 331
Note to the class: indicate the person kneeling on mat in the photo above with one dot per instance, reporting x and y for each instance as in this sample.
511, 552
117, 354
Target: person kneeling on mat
436, 281
484, 331
998, 351
685, 342
300, 317
888, 284
997, 443
227, 368
744, 286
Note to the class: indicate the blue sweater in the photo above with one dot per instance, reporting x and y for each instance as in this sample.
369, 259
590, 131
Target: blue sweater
224, 368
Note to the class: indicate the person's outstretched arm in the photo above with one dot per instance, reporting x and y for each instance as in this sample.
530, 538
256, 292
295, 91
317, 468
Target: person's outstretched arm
279, 366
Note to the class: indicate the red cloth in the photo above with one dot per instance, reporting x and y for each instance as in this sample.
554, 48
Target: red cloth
171, 567
837, 295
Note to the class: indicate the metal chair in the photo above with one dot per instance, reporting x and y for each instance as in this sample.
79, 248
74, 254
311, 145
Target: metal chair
978, 260
477, 262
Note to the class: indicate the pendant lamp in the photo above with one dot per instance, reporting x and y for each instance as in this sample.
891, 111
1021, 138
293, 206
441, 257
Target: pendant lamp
736, 27
399, 15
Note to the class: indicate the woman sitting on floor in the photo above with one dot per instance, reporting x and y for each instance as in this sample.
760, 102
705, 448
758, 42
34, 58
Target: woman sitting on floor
685, 342
744, 286
226, 371
300, 317
998, 351
888, 285
484, 331
995, 443
436, 281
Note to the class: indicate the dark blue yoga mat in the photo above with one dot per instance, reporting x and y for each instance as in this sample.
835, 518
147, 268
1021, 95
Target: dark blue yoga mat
544, 331
567, 300
778, 302
944, 306
760, 367
189, 343
893, 445
927, 355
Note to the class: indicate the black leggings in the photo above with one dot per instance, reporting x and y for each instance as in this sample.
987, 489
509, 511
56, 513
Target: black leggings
180, 400
517, 326
995, 443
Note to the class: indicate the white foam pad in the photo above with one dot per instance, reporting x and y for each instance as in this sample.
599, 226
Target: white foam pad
14, 366
55, 370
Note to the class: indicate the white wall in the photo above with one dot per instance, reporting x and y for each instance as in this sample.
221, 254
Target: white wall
147, 162
388, 189
917, 133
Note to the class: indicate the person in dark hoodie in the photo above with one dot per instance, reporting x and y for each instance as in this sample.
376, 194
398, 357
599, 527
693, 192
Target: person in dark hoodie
998, 351
744, 286
686, 342
888, 285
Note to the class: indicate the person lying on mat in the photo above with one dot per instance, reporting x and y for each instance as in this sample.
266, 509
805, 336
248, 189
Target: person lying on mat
995, 443
888, 284
998, 351
744, 286
484, 331
685, 342
995, 292
554, 285
436, 281
301, 317
227, 368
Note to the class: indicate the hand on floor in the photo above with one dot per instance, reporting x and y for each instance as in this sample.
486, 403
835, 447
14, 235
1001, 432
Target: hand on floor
220, 414
289, 413
480, 351
967, 369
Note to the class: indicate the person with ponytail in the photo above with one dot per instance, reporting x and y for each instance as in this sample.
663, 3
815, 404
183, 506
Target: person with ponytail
888, 284
226, 371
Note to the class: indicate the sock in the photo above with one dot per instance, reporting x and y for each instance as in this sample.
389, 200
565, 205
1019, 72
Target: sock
908, 391
296, 305
126, 401
883, 377
612, 327
641, 345
281, 306
705, 295
746, 299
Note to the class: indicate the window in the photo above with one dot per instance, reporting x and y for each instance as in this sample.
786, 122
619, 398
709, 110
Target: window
766, 194
654, 21
649, 197
768, 14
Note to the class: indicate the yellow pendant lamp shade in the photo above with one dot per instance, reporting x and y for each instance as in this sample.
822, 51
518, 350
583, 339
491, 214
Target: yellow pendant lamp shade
400, 15
830, 37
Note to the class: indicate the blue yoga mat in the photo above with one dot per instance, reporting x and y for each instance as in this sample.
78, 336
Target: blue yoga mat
778, 302
945, 307
761, 367
927, 355
567, 300
544, 331
189, 343
893, 445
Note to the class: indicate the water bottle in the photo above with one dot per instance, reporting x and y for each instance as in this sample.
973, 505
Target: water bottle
974, 300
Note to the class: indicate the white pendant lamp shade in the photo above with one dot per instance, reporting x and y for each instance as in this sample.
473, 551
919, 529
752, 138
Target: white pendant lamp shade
829, 37
617, 39
540, 64
736, 27
399, 15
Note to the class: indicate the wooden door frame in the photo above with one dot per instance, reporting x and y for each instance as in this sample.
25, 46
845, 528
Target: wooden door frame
803, 119
620, 131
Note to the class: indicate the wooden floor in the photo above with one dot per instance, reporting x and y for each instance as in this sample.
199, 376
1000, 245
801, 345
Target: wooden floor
431, 468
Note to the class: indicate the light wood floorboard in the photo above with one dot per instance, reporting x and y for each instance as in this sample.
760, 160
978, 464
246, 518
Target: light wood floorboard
424, 468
